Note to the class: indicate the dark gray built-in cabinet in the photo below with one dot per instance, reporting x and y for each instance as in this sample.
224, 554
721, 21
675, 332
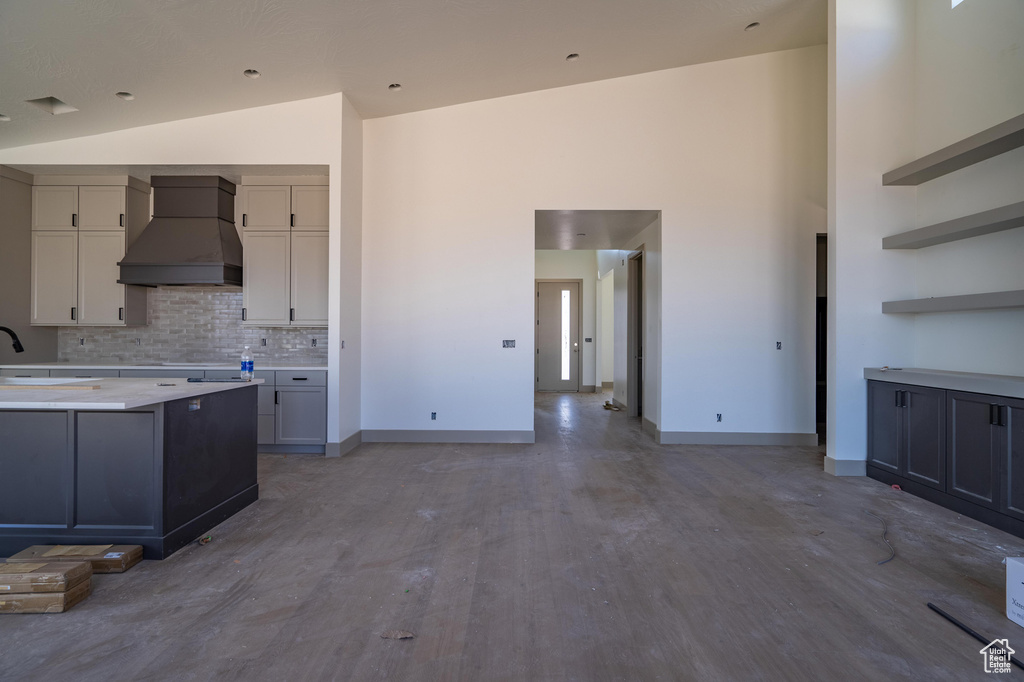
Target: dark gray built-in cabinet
960, 449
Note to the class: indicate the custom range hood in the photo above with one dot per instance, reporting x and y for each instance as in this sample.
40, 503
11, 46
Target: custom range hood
191, 240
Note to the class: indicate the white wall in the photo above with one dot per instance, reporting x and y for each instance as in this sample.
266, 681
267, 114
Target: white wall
302, 132
449, 198
970, 76
870, 124
908, 77
580, 265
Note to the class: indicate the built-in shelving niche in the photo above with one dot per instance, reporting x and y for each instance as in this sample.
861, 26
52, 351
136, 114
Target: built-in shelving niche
998, 139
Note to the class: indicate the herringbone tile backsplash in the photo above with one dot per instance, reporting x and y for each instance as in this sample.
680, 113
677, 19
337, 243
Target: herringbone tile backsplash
192, 324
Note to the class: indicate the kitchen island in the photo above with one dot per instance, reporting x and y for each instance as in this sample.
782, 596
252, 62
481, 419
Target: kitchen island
152, 462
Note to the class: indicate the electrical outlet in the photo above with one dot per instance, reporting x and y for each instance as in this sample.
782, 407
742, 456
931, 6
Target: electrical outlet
313, 344
138, 341
778, 345
263, 342
433, 416
719, 417
81, 341
508, 343
343, 344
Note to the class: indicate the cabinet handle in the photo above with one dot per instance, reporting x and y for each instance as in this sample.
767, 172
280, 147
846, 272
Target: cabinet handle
275, 398
74, 313
244, 315
292, 224
120, 314
74, 220
122, 220
299, 378
993, 414
1003, 415
291, 314
244, 217
906, 398
899, 395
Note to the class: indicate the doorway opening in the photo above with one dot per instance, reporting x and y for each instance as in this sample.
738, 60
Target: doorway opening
821, 339
635, 335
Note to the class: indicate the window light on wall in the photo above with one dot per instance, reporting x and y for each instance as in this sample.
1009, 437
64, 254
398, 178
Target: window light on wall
957, 2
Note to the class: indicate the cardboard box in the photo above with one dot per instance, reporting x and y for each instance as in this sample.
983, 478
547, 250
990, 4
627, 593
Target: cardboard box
1015, 589
104, 558
45, 602
25, 578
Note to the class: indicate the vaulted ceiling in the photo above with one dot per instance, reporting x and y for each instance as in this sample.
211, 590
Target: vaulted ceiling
186, 58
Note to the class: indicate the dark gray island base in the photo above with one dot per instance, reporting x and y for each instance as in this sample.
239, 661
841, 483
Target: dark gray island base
159, 475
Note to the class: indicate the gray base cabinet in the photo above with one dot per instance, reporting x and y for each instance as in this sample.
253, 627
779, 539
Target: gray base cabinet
907, 435
293, 408
962, 450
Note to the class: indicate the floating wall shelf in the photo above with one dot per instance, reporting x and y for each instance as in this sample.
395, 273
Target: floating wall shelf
995, 300
996, 140
986, 222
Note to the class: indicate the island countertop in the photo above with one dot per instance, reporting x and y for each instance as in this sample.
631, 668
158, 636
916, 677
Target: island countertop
107, 394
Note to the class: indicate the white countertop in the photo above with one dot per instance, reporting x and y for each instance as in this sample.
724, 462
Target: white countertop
112, 394
165, 366
992, 384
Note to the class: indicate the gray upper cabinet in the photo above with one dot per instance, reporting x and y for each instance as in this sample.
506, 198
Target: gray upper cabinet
285, 238
79, 233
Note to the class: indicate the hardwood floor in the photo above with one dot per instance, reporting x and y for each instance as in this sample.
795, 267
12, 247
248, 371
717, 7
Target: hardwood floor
592, 555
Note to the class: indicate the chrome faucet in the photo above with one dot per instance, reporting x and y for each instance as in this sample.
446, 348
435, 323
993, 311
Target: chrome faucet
18, 348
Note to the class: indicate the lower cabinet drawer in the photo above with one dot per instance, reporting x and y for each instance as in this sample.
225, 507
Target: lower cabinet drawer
84, 373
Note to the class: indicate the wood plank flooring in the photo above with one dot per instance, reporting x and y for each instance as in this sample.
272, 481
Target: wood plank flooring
592, 555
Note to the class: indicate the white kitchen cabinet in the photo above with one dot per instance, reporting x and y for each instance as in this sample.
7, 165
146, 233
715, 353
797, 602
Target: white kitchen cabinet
54, 277
55, 208
310, 208
265, 207
266, 288
309, 264
285, 255
79, 234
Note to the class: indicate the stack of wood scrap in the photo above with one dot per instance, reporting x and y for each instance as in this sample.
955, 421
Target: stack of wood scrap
104, 558
43, 587
53, 578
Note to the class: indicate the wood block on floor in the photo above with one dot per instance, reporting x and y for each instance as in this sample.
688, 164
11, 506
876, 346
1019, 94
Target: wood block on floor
45, 602
42, 577
104, 558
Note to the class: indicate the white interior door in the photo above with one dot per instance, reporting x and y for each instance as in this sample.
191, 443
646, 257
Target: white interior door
558, 336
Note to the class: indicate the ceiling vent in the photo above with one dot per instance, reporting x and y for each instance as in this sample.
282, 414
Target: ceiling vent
52, 105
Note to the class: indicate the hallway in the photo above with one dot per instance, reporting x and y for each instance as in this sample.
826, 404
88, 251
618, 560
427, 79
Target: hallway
593, 554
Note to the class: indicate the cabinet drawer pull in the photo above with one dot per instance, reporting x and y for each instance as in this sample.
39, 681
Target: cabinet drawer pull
300, 378
898, 398
1003, 415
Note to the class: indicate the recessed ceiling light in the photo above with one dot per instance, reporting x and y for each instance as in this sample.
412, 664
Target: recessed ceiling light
251, 73
751, 27
126, 96
4, 118
395, 87
574, 57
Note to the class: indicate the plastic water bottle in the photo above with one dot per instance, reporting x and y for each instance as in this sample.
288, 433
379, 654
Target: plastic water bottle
247, 365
